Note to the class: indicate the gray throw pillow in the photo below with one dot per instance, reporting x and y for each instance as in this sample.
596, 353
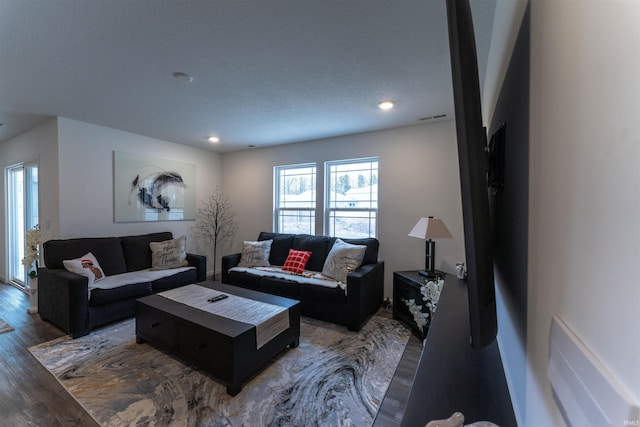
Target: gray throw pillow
343, 259
169, 254
255, 254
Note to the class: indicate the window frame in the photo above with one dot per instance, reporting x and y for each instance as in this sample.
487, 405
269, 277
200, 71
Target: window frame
329, 210
278, 209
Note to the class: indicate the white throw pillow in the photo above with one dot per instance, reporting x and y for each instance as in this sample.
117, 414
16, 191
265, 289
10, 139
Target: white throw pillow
343, 259
255, 254
86, 266
169, 254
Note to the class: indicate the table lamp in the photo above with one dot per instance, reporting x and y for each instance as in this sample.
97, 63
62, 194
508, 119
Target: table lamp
430, 228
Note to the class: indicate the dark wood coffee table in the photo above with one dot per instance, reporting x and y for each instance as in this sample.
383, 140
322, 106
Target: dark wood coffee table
223, 347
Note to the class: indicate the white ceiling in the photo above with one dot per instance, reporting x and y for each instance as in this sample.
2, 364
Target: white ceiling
264, 72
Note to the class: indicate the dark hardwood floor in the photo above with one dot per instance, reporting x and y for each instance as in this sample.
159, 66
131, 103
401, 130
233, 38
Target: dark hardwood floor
392, 407
31, 396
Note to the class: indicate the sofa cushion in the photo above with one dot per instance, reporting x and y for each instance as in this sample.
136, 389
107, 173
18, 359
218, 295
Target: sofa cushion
133, 277
136, 250
179, 279
243, 279
107, 250
284, 288
372, 244
125, 292
322, 294
280, 246
282, 242
99, 315
255, 254
343, 259
239, 275
296, 261
317, 245
169, 253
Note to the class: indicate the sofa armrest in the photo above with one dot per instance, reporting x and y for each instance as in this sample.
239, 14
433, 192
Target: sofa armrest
365, 292
63, 299
200, 263
228, 262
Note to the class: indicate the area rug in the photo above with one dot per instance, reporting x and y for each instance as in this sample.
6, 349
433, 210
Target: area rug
5, 327
334, 377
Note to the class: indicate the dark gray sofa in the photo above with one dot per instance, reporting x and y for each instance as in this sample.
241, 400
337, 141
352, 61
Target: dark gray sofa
63, 296
365, 286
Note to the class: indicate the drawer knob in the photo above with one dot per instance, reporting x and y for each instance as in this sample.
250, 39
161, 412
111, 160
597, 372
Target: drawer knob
202, 346
155, 325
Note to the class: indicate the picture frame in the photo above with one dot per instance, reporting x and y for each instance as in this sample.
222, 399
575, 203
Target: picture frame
147, 188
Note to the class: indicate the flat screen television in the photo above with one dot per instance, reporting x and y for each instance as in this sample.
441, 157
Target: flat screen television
473, 163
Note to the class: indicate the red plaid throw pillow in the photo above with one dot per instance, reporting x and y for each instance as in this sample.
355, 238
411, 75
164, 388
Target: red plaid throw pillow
296, 261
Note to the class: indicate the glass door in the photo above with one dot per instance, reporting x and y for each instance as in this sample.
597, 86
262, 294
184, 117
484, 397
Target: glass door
22, 214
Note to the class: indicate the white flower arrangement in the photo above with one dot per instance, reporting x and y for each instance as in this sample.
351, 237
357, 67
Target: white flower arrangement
416, 311
32, 244
430, 291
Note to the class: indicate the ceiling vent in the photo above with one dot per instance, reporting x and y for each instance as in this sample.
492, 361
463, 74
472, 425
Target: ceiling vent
437, 116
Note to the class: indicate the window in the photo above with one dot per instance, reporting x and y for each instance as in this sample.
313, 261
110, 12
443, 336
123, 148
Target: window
295, 199
351, 198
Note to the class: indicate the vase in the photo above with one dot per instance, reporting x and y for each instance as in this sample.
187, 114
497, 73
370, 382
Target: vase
33, 295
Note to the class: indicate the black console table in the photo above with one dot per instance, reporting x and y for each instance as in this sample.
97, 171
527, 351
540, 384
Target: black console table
451, 376
406, 286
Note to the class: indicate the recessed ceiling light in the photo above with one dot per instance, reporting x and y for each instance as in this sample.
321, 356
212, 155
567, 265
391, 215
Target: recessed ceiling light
183, 77
213, 139
387, 104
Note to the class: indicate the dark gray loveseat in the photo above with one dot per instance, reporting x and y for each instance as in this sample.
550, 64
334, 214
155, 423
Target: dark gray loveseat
64, 298
364, 291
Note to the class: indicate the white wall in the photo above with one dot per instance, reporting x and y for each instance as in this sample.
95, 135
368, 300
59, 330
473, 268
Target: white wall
418, 177
39, 143
585, 189
86, 179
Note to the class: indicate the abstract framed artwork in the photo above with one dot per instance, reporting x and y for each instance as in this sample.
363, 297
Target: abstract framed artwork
151, 189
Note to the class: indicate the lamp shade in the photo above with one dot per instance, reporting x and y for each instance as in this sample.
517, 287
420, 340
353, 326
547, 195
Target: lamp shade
430, 228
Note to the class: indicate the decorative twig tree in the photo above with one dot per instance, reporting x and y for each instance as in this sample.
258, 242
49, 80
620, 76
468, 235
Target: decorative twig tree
215, 222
